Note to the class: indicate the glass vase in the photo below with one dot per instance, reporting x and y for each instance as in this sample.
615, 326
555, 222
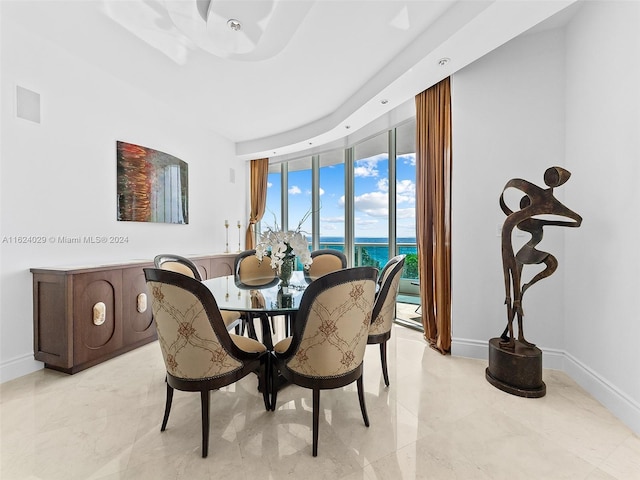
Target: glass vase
286, 270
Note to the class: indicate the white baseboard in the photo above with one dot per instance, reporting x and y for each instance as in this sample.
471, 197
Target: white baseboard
615, 400
18, 366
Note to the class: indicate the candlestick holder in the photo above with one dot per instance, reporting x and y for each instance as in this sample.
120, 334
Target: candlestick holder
226, 226
239, 237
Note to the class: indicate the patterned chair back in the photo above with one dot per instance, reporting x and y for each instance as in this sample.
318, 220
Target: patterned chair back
325, 261
194, 341
332, 324
384, 308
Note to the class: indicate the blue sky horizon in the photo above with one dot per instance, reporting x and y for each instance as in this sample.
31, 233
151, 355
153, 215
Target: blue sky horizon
371, 187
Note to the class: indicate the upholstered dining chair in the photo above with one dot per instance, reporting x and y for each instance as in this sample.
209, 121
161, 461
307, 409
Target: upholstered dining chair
384, 308
329, 338
251, 273
176, 263
325, 261
199, 353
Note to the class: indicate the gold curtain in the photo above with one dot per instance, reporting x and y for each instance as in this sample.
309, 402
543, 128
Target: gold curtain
259, 173
433, 211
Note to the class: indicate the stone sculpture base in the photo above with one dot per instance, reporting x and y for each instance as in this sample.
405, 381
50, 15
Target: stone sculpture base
518, 372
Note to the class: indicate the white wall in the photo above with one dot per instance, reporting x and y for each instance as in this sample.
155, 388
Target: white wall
566, 97
508, 122
59, 176
602, 325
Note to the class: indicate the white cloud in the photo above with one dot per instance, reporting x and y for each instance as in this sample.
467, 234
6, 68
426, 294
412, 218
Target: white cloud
321, 191
294, 190
365, 170
406, 192
408, 159
365, 223
269, 184
375, 204
383, 184
332, 219
406, 213
368, 167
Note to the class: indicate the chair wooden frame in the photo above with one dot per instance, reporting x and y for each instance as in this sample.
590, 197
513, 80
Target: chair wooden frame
390, 271
317, 383
250, 361
163, 258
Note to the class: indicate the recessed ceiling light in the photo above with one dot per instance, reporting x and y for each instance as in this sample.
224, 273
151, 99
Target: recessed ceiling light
234, 25
384, 101
347, 127
443, 61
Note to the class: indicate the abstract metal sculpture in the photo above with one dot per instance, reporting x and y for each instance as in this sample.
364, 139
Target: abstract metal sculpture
535, 202
518, 369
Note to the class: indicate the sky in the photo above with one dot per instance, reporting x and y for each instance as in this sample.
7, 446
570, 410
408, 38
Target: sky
371, 177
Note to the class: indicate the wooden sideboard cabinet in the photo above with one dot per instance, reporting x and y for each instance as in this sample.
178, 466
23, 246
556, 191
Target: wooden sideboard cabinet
85, 315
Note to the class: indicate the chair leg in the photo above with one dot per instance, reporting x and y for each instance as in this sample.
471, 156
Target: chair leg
265, 374
251, 329
383, 359
204, 400
273, 382
363, 407
316, 417
167, 407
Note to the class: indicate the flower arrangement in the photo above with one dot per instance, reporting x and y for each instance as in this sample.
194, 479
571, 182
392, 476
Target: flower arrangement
281, 245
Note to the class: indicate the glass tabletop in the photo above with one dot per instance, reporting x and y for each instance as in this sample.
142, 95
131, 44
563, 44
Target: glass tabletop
273, 299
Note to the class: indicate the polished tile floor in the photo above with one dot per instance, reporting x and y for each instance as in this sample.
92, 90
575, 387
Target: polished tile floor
439, 419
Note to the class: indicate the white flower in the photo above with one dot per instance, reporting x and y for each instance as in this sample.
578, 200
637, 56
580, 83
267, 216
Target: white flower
278, 244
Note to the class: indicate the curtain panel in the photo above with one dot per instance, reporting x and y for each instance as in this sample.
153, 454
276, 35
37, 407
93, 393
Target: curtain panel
259, 174
433, 211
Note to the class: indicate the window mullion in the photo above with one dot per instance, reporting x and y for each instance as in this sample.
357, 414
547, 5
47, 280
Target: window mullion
315, 202
284, 197
392, 193
349, 241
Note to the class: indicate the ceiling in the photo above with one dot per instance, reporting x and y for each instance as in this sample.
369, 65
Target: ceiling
298, 72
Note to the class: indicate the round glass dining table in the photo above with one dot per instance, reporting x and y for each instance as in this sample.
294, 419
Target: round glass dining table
259, 302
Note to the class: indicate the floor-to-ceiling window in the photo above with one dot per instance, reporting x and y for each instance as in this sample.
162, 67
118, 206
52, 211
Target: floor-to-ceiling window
273, 211
299, 194
405, 213
362, 202
371, 201
331, 199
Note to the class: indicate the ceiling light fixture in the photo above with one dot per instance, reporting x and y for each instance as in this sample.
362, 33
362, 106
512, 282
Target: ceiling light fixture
384, 101
443, 61
234, 25
347, 127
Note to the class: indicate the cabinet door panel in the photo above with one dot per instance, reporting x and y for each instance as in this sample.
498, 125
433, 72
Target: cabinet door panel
95, 336
222, 266
137, 325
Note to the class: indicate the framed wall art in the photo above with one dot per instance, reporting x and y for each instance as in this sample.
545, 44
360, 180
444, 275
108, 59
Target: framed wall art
153, 186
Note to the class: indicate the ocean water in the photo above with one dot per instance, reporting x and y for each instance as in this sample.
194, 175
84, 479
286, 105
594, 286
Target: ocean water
371, 250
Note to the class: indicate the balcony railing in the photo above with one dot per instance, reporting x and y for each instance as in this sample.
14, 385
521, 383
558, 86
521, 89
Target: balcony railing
377, 254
